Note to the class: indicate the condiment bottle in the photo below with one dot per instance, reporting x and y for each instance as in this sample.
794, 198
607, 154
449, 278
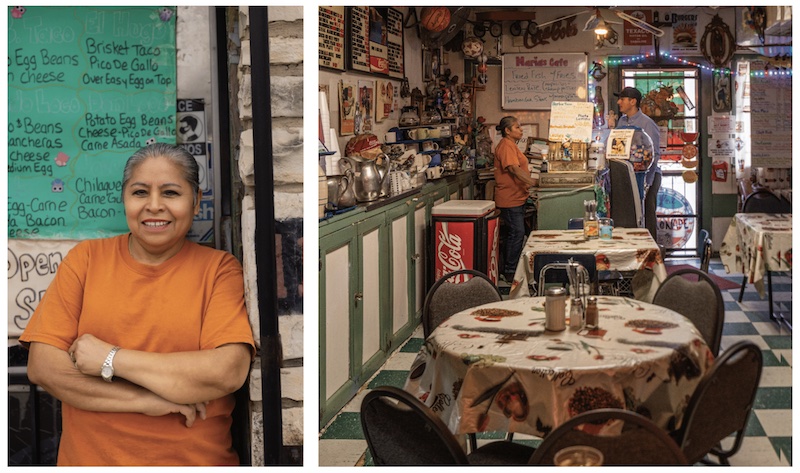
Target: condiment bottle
591, 227
555, 309
576, 313
592, 315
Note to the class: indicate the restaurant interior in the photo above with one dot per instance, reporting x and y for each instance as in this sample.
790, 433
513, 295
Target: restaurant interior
643, 316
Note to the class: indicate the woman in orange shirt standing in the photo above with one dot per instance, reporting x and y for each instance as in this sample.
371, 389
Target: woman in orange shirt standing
513, 180
144, 336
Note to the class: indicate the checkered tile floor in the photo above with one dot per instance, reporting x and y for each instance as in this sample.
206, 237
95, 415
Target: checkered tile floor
768, 439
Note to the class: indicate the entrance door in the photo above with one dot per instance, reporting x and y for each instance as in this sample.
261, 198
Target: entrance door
670, 97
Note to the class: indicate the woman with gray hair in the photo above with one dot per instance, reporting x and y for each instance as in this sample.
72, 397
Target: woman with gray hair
144, 336
513, 179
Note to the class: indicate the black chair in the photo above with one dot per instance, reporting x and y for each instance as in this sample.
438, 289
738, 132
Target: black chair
587, 260
705, 250
640, 442
721, 405
446, 298
577, 223
764, 201
401, 430
650, 200
698, 300
626, 206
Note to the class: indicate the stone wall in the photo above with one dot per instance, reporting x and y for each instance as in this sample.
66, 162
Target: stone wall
286, 92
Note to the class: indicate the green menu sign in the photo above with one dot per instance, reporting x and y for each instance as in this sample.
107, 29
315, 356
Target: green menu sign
87, 87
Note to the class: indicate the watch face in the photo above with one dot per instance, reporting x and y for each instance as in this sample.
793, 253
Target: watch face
107, 372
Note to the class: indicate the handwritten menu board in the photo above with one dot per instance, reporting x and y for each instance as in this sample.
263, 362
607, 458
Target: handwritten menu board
331, 37
375, 40
87, 87
771, 121
532, 81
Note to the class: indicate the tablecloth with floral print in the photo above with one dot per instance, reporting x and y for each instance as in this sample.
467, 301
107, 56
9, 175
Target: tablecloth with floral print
629, 249
756, 243
496, 368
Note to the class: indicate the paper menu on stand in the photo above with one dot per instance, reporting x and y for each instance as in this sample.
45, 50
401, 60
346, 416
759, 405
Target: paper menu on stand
618, 145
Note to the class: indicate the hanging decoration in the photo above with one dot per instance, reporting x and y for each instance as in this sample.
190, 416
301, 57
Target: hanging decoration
665, 55
717, 43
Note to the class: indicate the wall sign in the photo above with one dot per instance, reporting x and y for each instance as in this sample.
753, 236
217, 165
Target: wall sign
331, 37
532, 81
375, 40
87, 86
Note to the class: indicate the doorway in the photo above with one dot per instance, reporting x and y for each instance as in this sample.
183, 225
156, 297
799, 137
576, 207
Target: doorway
671, 98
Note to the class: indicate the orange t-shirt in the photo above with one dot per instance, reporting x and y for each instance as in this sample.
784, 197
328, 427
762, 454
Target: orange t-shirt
193, 301
509, 191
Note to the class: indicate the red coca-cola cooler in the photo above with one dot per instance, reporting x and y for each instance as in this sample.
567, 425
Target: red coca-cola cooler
465, 236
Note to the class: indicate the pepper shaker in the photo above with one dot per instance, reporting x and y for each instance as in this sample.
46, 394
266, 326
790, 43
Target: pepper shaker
592, 314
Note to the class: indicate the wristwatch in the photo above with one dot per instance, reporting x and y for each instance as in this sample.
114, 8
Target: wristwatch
107, 370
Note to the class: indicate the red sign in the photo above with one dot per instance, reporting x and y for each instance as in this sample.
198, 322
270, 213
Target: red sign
492, 230
633, 35
454, 249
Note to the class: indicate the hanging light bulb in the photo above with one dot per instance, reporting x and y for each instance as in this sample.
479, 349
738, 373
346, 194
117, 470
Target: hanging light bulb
601, 28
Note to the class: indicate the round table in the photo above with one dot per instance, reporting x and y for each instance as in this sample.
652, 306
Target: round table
496, 368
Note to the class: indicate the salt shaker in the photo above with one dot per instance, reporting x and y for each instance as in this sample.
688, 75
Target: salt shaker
592, 314
555, 309
576, 313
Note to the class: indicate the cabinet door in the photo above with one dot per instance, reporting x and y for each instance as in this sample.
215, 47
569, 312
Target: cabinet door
419, 261
337, 285
369, 348
401, 248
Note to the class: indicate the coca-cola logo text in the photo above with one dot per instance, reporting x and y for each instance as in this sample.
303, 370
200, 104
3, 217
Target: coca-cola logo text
449, 252
555, 31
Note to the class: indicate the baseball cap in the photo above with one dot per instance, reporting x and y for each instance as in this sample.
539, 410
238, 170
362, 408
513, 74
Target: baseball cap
631, 93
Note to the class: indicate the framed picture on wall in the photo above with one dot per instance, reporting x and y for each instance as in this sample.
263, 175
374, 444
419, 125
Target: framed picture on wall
722, 91
366, 104
331, 37
430, 64
347, 107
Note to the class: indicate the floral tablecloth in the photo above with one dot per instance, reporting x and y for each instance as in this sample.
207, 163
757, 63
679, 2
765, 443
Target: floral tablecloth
756, 243
495, 367
629, 249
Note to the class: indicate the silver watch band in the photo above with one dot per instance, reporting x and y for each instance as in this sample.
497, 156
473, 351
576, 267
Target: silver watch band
110, 360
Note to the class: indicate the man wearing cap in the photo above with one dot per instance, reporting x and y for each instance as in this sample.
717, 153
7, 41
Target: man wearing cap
629, 101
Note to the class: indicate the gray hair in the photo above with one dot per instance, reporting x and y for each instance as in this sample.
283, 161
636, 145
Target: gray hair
175, 154
505, 123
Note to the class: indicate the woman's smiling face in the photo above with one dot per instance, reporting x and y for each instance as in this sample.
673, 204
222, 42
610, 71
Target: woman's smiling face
159, 208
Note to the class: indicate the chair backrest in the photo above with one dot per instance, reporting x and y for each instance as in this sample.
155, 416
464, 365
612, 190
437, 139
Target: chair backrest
639, 442
705, 250
626, 206
765, 201
401, 430
722, 402
699, 300
577, 223
540, 260
446, 298
650, 200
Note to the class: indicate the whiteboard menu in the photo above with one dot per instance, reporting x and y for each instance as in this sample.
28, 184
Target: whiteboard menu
87, 87
532, 81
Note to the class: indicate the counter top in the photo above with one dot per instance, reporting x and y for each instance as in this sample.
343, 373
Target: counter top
384, 201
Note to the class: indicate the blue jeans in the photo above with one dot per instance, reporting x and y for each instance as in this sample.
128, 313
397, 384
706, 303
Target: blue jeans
514, 219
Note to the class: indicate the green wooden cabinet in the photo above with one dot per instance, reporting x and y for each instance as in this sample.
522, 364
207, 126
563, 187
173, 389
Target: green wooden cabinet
372, 283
